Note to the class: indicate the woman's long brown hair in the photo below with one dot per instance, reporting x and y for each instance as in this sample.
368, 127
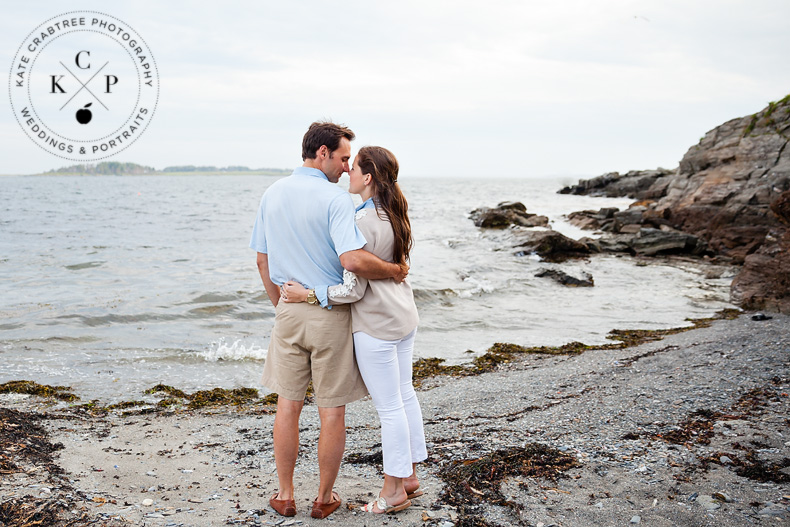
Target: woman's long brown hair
382, 165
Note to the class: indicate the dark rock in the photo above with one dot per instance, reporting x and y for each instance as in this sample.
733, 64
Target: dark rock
764, 280
585, 219
635, 184
616, 243
632, 215
506, 214
650, 242
566, 279
492, 219
512, 205
631, 228
550, 245
594, 220
781, 207
592, 244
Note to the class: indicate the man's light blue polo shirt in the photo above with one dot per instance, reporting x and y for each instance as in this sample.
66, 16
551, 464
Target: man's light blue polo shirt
304, 224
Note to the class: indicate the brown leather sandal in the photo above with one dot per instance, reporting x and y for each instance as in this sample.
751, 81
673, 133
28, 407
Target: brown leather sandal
283, 507
322, 510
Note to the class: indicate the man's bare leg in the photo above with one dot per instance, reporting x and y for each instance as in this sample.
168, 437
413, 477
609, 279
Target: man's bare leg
331, 445
286, 444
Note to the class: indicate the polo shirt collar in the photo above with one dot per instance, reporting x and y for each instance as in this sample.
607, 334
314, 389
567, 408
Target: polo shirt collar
308, 171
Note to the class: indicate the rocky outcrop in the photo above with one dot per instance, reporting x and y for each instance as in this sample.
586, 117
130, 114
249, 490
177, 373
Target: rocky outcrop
506, 214
635, 184
722, 192
636, 232
723, 188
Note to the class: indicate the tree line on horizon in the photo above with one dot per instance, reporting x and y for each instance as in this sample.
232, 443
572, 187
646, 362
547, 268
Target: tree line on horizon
116, 168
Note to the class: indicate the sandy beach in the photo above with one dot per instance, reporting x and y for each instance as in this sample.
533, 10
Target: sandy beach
688, 430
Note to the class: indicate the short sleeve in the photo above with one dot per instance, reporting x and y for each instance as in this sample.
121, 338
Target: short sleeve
258, 239
342, 228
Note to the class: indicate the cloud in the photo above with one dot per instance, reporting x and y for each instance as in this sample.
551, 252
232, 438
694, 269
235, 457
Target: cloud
547, 77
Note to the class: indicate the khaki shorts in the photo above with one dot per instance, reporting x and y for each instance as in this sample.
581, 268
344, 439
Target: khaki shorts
309, 341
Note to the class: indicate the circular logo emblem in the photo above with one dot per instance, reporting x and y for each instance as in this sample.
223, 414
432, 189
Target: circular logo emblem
84, 85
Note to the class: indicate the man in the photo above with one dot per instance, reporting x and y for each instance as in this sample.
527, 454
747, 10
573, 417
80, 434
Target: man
305, 232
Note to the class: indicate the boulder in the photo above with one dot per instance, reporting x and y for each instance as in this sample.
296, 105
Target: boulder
585, 219
566, 279
550, 245
650, 242
593, 220
506, 214
616, 243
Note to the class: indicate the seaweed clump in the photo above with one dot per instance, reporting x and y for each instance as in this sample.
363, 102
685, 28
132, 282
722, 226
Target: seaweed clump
469, 483
169, 390
698, 428
206, 398
221, 396
28, 511
62, 393
375, 458
22, 439
763, 471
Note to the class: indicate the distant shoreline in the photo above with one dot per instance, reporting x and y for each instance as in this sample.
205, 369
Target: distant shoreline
282, 173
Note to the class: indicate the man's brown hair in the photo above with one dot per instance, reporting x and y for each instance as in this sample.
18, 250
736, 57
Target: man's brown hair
324, 133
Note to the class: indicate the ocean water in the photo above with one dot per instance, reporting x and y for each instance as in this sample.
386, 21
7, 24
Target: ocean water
111, 285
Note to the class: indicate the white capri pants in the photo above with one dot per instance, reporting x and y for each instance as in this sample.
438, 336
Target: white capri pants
386, 368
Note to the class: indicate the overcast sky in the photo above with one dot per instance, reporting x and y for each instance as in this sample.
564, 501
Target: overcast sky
453, 88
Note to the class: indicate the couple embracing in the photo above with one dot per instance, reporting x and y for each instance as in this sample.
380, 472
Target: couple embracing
345, 316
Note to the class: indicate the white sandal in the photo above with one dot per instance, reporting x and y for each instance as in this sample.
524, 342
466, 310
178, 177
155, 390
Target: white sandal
381, 503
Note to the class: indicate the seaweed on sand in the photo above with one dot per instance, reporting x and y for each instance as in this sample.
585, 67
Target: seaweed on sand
62, 393
375, 458
169, 390
698, 428
469, 483
22, 439
503, 353
221, 397
763, 471
29, 511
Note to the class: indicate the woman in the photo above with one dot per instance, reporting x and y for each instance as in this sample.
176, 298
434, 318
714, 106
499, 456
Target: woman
384, 322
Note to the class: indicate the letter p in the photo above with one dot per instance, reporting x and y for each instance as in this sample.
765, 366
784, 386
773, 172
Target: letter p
111, 80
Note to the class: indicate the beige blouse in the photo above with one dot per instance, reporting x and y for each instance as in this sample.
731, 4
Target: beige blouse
383, 309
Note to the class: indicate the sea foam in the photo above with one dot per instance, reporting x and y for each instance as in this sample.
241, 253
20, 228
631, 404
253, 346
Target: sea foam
221, 350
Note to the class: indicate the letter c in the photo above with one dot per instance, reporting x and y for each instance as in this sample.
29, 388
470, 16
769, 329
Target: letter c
77, 60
